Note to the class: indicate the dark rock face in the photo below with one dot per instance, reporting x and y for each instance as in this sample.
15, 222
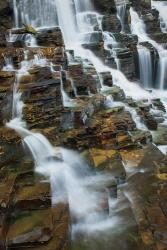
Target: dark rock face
105, 6
142, 5
111, 23
6, 20
50, 37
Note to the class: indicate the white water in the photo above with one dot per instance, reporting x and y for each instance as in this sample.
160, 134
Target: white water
38, 13
121, 12
161, 6
138, 28
8, 63
28, 39
145, 66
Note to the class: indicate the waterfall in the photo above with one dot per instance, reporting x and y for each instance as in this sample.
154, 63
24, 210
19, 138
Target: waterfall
38, 13
73, 32
138, 28
145, 66
161, 6
83, 6
64, 168
121, 12
67, 20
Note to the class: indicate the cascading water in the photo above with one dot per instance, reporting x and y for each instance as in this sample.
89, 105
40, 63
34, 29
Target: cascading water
72, 181
121, 12
161, 6
145, 66
38, 13
8, 63
138, 28
69, 181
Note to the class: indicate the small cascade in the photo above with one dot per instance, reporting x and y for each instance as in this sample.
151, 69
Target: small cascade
109, 41
17, 103
17, 122
145, 66
138, 28
162, 70
86, 21
136, 118
8, 63
28, 39
121, 12
67, 102
161, 6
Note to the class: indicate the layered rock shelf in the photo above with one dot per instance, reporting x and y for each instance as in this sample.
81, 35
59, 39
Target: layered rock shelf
77, 107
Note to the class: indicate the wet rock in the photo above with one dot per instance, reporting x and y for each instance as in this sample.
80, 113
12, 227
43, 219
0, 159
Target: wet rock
61, 232
141, 5
83, 79
139, 136
111, 23
6, 81
126, 40
105, 6
160, 38
29, 229
42, 97
94, 41
50, 37
160, 136
149, 120
125, 62
117, 93
6, 192
158, 104
152, 22
106, 79
32, 197
10, 146
6, 21
108, 159
124, 140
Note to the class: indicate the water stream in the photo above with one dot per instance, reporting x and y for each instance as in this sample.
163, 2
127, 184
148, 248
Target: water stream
121, 12
145, 66
72, 181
